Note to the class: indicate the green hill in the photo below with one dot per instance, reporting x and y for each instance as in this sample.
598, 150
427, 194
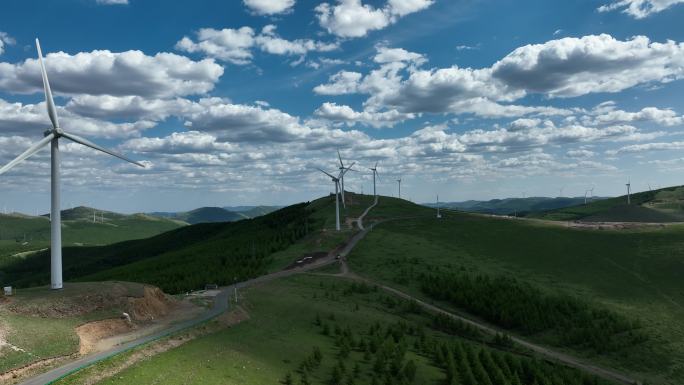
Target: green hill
610, 297
517, 274
179, 260
21, 233
657, 206
203, 215
510, 206
209, 215
254, 211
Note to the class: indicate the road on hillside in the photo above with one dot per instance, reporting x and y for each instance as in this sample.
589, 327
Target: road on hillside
221, 304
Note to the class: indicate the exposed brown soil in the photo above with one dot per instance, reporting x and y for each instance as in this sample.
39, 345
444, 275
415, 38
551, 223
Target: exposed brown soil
32, 369
154, 304
227, 319
76, 299
92, 332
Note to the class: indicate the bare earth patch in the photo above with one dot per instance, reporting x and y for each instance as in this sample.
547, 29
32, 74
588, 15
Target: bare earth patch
92, 333
92, 375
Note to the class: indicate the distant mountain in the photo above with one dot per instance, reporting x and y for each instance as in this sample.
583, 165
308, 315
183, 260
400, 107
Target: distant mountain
217, 214
202, 215
510, 206
253, 211
20, 232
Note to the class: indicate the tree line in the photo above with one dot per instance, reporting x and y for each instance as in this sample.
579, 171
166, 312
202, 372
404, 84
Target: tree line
520, 307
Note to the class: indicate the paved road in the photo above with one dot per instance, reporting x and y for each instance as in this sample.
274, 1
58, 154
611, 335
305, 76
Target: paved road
220, 305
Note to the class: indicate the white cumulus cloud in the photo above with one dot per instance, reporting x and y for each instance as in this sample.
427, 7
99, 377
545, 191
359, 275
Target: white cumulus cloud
269, 7
352, 18
110, 73
639, 9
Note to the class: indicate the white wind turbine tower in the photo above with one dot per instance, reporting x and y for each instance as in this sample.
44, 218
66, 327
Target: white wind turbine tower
629, 191
52, 136
335, 180
399, 181
375, 174
438, 214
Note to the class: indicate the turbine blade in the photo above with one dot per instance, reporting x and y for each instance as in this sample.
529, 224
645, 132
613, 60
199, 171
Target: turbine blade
32, 150
340, 157
344, 171
324, 172
52, 112
92, 145
376, 165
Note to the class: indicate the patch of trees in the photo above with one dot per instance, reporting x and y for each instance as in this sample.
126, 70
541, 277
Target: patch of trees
518, 306
394, 353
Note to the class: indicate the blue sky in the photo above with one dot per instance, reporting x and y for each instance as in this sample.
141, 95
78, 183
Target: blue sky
237, 102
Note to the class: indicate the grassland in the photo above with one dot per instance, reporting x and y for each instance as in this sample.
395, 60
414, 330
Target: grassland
291, 319
636, 273
24, 234
40, 323
657, 206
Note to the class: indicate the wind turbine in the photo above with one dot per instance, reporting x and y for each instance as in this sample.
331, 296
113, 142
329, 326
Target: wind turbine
629, 191
52, 136
335, 180
438, 214
399, 181
375, 174
343, 170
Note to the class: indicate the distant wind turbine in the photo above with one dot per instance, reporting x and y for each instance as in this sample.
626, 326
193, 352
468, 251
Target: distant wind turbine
399, 181
375, 174
629, 191
438, 213
335, 180
343, 170
52, 136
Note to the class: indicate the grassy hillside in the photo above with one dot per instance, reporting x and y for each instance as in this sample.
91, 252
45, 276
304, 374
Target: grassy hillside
253, 211
189, 257
41, 322
657, 206
506, 270
512, 206
179, 260
203, 215
324, 330
21, 233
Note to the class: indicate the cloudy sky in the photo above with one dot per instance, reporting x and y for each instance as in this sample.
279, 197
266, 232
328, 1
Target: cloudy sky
236, 102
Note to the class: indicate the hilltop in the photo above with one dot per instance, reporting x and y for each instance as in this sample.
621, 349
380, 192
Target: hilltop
217, 214
664, 205
511, 206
